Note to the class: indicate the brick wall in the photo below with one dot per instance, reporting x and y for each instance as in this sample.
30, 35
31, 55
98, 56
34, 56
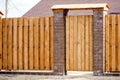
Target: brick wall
60, 42
98, 42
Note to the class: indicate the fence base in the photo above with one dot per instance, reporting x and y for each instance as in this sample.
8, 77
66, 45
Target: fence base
30, 73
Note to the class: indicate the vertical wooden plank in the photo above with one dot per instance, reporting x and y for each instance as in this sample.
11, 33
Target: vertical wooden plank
1, 40
67, 43
87, 49
47, 43
4, 43
36, 44
107, 44
10, 49
42, 43
15, 45
110, 42
31, 43
25, 43
71, 42
51, 43
118, 42
113, 43
79, 43
91, 42
75, 43
83, 42
20, 43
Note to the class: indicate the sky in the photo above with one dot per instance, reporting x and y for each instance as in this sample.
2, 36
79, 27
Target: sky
17, 8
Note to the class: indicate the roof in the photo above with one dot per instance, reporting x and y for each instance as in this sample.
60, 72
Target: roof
43, 8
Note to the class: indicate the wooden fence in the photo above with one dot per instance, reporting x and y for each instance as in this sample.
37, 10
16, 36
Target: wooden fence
112, 43
26, 43
79, 43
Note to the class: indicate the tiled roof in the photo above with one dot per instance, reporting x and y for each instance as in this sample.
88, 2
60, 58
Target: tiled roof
43, 8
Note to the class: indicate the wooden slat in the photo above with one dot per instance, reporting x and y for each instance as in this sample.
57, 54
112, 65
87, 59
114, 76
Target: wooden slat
110, 41
20, 43
107, 44
79, 43
15, 44
91, 43
1, 39
75, 43
4, 44
118, 42
25, 43
10, 43
47, 43
31, 43
83, 43
36, 43
51, 44
87, 48
113, 44
67, 43
42, 41
71, 43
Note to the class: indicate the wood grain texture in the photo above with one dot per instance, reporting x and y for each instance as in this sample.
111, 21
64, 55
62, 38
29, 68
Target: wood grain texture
10, 44
31, 43
1, 40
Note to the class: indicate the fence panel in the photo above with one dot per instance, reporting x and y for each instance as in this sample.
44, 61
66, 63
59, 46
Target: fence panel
112, 43
79, 54
26, 43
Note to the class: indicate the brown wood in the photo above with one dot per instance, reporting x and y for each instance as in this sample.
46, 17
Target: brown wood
31, 43
20, 43
36, 43
4, 43
118, 42
25, 43
75, 43
113, 44
10, 44
42, 43
91, 42
79, 43
51, 43
107, 45
83, 43
71, 43
67, 43
47, 66
1, 39
15, 44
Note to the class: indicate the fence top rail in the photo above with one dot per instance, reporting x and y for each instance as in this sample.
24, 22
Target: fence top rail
99, 6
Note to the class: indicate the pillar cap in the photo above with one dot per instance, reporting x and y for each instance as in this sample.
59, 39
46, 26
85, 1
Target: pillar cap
99, 6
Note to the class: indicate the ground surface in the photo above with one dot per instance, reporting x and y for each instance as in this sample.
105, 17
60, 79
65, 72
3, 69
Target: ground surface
70, 76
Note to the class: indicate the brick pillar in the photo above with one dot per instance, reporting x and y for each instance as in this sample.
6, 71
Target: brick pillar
60, 41
99, 39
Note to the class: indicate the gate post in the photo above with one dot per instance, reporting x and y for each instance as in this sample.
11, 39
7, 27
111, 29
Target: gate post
99, 41
60, 41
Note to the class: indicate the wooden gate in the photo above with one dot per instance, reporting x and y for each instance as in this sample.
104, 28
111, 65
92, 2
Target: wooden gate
113, 43
26, 43
79, 45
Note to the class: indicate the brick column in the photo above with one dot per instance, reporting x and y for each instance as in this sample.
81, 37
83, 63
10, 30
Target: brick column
99, 39
60, 41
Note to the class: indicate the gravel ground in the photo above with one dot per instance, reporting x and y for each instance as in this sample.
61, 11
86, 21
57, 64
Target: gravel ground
70, 76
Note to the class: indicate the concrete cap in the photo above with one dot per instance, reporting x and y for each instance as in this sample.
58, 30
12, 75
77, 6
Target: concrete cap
100, 6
